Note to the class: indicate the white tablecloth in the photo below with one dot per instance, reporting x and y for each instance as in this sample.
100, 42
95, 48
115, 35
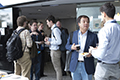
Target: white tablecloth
13, 77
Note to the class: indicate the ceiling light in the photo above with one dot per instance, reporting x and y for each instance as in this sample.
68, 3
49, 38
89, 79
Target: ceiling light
55, 5
39, 9
116, 0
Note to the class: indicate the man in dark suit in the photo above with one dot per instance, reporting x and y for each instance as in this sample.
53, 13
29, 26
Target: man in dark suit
82, 67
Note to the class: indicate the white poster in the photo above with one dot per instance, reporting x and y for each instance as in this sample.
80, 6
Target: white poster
2, 30
4, 24
96, 25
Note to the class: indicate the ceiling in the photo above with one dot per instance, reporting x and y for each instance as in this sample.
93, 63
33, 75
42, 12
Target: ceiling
41, 12
61, 9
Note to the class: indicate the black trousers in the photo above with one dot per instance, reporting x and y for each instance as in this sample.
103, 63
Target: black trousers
63, 59
42, 62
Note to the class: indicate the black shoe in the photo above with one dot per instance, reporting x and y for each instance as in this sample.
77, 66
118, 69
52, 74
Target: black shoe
64, 74
43, 75
70, 74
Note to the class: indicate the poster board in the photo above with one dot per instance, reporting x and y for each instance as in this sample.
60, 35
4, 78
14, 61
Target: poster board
96, 25
2, 30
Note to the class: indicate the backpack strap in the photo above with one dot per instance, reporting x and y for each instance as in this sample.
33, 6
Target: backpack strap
53, 33
20, 31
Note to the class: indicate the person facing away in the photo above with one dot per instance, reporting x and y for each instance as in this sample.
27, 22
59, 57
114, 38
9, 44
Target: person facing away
108, 51
23, 65
63, 55
54, 43
41, 32
36, 62
58, 23
82, 67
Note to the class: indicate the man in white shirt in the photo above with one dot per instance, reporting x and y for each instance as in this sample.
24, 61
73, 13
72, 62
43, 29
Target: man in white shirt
108, 51
54, 43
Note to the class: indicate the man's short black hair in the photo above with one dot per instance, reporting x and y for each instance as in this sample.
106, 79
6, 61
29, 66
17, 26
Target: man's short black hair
32, 21
82, 16
51, 18
109, 9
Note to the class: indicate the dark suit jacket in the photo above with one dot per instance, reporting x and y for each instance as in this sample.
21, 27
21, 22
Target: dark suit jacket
91, 40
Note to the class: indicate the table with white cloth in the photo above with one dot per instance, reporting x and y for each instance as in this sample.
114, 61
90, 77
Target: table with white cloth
5, 76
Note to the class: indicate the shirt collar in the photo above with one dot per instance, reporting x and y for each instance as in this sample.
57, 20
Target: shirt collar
109, 21
19, 27
84, 33
53, 27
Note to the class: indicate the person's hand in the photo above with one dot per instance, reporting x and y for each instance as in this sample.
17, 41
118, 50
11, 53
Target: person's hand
89, 55
73, 47
41, 42
35, 33
90, 51
91, 48
47, 43
46, 39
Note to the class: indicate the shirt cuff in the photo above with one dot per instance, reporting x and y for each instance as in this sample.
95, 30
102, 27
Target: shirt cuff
49, 39
94, 54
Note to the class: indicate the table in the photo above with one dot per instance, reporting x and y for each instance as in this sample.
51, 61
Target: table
13, 77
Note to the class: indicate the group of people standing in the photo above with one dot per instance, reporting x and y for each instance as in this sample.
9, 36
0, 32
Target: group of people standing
81, 67
27, 65
36, 34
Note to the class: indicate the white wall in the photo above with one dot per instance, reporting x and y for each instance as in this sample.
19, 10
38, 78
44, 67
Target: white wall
70, 24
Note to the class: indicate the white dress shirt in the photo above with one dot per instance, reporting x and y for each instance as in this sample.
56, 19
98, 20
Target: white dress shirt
55, 40
81, 42
108, 50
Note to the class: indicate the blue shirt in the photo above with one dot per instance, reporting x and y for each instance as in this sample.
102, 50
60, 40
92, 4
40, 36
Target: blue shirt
55, 40
108, 50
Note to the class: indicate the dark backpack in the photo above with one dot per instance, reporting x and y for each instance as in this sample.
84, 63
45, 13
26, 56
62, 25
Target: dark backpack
64, 37
14, 46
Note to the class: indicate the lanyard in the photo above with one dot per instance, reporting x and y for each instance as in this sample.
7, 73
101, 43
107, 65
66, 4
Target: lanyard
113, 21
79, 38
